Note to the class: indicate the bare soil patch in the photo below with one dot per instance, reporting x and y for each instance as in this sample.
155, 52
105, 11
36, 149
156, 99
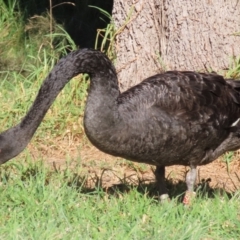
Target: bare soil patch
109, 171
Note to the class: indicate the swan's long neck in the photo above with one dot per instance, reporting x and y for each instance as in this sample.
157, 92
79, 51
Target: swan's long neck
101, 112
102, 74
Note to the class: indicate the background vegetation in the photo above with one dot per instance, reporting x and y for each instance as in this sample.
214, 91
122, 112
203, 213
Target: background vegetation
42, 202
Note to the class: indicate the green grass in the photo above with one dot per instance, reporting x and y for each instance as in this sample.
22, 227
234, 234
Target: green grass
18, 94
28, 53
22, 76
39, 203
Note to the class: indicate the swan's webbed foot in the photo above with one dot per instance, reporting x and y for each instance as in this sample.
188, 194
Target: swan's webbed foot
160, 178
190, 181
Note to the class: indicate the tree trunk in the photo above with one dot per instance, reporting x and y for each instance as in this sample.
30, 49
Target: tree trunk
159, 35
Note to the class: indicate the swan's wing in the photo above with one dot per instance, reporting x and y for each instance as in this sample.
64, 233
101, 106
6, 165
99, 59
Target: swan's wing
185, 96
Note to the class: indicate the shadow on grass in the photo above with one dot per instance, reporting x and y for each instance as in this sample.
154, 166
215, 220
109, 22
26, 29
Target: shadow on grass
81, 183
176, 190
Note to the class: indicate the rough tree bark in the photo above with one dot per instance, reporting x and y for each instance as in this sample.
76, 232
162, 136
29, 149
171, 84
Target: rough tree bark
166, 34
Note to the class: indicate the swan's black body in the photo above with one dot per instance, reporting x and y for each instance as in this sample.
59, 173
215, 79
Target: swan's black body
185, 118
171, 118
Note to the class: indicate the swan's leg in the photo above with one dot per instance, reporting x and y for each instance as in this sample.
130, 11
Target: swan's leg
160, 177
190, 180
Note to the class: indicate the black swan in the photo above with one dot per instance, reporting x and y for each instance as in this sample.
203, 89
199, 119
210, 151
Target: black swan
185, 118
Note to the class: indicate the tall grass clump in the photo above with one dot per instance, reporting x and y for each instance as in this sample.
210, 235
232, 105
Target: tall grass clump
234, 68
29, 50
12, 37
106, 37
28, 43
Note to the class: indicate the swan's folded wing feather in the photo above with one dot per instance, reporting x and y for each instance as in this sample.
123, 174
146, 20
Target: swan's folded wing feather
198, 98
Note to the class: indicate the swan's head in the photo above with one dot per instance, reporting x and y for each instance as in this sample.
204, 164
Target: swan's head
11, 144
